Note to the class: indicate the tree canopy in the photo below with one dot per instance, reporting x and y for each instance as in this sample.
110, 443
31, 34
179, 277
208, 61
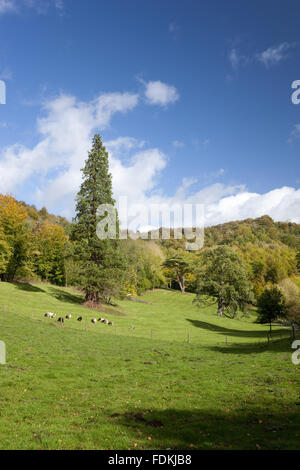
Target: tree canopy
177, 266
291, 293
271, 306
223, 280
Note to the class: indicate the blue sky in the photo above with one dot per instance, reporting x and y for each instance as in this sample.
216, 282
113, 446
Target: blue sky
192, 98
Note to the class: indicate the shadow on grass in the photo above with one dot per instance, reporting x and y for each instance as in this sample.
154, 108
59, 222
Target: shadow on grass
239, 333
246, 428
64, 296
275, 345
27, 287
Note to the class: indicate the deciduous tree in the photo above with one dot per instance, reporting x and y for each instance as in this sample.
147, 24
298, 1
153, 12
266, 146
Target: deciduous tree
223, 280
271, 306
291, 293
178, 266
16, 241
50, 249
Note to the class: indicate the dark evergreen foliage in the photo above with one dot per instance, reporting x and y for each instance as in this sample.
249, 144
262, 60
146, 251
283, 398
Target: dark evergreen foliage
100, 260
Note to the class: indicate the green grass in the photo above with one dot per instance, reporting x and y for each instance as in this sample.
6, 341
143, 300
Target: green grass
85, 386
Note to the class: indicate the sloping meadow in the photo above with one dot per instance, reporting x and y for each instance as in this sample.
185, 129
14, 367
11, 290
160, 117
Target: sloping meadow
183, 385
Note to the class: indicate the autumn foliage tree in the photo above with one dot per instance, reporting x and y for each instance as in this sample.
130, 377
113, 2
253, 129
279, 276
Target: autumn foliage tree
14, 238
5, 253
291, 293
50, 241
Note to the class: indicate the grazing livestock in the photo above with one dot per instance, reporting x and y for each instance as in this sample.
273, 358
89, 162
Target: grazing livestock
68, 317
106, 322
50, 315
79, 319
61, 320
94, 320
101, 319
111, 323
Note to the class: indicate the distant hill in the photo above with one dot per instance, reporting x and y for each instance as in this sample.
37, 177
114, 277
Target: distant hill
268, 249
261, 231
36, 216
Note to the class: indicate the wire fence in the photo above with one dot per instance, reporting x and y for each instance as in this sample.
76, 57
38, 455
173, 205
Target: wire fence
217, 337
191, 337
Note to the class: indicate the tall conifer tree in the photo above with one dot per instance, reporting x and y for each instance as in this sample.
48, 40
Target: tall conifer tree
101, 263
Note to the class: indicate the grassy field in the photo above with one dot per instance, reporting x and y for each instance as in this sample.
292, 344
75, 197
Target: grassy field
85, 386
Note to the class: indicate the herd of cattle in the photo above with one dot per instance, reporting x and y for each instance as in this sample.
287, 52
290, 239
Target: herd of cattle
68, 317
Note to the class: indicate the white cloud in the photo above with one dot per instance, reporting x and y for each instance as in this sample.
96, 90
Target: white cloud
173, 27
108, 104
281, 204
160, 93
199, 144
274, 55
64, 139
6, 74
59, 4
269, 57
7, 6
52, 167
295, 134
139, 176
123, 145
41, 7
213, 175
236, 59
224, 203
177, 144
